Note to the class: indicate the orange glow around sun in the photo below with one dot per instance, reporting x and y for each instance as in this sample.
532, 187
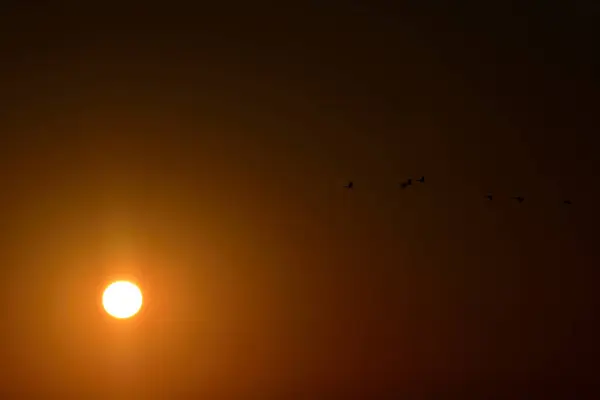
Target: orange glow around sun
122, 299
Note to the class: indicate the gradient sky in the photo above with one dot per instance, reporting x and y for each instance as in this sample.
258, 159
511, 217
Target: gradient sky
204, 152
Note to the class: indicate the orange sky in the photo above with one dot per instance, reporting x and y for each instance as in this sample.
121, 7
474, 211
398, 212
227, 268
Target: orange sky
207, 157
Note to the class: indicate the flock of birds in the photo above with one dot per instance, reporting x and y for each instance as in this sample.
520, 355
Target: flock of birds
489, 196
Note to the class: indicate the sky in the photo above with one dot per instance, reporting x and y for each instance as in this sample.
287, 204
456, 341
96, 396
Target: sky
203, 153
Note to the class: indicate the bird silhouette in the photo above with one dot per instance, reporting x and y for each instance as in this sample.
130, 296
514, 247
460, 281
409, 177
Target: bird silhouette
406, 184
421, 179
350, 185
567, 202
489, 196
520, 199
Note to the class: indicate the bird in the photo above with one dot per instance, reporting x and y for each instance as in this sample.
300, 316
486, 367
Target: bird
421, 179
350, 185
567, 202
520, 199
489, 196
406, 184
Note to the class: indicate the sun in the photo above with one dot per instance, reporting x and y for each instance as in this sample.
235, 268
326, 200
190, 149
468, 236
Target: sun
122, 299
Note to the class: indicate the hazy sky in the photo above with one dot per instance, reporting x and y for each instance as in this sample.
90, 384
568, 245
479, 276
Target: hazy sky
205, 151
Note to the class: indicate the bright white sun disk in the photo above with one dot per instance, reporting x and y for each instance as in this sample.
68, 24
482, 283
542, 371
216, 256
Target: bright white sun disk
122, 299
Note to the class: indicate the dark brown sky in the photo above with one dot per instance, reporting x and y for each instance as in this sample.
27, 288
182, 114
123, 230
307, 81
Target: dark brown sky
204, 151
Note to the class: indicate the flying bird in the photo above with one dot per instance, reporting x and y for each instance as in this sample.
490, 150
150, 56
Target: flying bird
350, 185
421, 179
520, 199
489, 196
406, 184
567, 202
